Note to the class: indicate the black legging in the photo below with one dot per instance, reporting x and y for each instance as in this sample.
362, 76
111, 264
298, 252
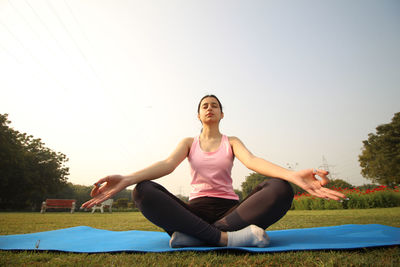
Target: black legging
265, 205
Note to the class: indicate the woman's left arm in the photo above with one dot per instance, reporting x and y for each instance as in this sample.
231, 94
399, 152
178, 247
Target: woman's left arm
304, 178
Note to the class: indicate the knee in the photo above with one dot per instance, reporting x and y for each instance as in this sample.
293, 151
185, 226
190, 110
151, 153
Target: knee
142, 189
282, 188
286, 189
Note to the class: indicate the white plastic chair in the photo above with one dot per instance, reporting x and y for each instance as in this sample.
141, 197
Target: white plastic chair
108, 203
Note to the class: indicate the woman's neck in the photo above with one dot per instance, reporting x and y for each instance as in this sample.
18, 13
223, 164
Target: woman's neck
210, 132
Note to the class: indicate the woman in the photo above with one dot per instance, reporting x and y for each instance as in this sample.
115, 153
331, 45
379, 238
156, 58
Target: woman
213, 215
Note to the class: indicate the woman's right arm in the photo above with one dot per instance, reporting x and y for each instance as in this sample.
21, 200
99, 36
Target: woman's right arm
164, 167
110, 185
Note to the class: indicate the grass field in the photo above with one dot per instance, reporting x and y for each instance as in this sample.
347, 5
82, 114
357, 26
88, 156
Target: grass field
19, 223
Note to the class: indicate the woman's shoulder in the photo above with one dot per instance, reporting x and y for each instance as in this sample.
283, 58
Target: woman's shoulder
188, 141
233, 139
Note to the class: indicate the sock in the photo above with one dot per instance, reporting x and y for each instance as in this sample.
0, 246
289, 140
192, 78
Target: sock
179, 240
251, 236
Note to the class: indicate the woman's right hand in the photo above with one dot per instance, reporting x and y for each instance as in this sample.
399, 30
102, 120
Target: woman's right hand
101, 192
110, 185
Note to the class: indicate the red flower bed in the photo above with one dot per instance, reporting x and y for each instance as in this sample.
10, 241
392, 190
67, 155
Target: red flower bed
378, 197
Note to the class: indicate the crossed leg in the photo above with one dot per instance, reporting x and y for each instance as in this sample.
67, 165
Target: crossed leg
268, 202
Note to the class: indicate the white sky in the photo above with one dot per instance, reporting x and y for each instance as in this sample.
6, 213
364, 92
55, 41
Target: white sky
115, 85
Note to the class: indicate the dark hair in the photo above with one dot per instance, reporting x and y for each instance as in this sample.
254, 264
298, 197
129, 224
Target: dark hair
220, 106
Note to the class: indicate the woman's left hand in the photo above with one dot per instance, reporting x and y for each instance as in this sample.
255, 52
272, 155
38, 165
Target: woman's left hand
307, 180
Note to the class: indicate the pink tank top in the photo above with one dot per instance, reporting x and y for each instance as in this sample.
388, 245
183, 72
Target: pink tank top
211, 171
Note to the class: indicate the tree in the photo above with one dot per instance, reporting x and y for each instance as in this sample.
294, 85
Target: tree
380, 157
182, 197
239, 194
28, 170
252, 180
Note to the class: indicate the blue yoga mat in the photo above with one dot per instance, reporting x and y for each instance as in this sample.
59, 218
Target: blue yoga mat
84, 239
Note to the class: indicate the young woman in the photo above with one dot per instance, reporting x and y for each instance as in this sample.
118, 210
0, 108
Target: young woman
213, 215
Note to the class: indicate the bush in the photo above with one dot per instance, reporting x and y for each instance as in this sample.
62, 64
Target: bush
357, 201
302, 203
121, 203
332, 205
379, 197
317, 203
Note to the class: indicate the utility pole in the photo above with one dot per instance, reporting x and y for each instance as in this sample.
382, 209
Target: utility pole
325, 166
292, 166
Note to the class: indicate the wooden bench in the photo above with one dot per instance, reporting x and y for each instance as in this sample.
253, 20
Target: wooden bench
58, 204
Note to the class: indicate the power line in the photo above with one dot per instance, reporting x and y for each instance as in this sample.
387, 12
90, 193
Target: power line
69, 34
101, 83
36, 60
46, 27
77, 22
33, 29
10, 54
23, 18
71, 37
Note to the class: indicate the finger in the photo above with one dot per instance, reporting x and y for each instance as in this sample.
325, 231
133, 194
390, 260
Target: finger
319, 172
104, 196
332, 194
323, 174
97, 186
335, 193
315, 192
103, 180
87, 203
324, 181
97, 190
101, 199
94, 192
325, 193
93, 202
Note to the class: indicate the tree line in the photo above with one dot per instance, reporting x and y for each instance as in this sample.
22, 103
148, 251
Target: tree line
30, 172
28, 169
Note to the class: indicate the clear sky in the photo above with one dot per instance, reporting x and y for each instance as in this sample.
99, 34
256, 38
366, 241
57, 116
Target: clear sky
115, 85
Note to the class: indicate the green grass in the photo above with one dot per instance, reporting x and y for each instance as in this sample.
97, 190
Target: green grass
18, 223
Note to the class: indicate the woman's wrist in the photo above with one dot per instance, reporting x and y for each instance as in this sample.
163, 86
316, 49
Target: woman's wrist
131, 179
288, 175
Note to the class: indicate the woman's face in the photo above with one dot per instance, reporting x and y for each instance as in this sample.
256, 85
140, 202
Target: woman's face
210, 111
